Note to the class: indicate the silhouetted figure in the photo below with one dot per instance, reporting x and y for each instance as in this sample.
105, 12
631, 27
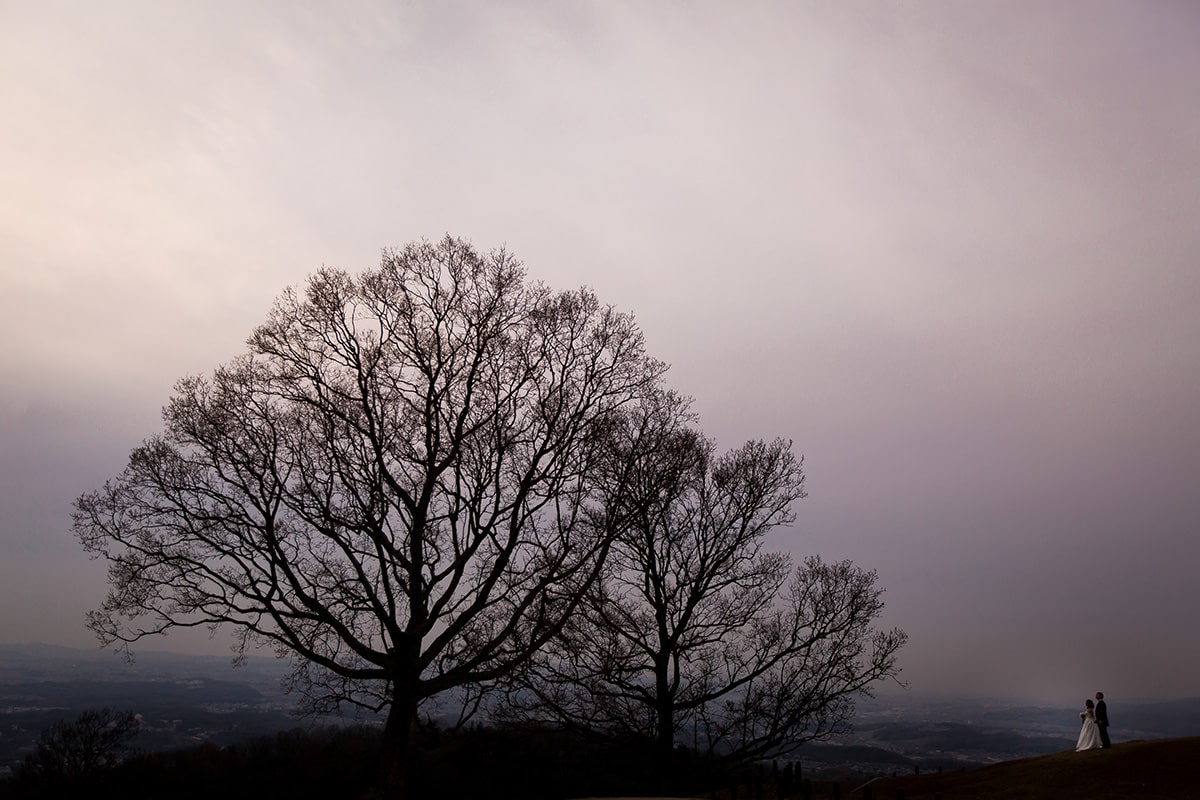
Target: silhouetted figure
1102, 720
1089, 734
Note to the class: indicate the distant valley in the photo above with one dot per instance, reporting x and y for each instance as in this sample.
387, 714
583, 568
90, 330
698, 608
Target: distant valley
908, 731
182, 700
188, 700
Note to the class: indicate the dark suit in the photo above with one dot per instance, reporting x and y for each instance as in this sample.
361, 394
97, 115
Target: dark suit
1102, 721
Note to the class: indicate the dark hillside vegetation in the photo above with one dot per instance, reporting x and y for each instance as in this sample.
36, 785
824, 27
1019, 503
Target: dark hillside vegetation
298, 764
493, 764
337, 763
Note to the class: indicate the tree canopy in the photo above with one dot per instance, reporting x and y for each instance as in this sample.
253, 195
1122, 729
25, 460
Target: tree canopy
437, 475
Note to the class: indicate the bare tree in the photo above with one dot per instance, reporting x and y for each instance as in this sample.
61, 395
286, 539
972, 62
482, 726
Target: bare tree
696, 630
400, 485
73, 750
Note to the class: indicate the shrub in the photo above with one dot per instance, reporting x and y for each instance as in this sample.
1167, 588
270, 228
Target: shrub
71, 751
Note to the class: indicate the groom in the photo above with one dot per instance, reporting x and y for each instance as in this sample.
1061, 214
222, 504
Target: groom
1102, 720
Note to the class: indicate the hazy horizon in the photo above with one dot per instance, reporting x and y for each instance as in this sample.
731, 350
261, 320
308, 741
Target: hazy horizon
885, 693
950, 250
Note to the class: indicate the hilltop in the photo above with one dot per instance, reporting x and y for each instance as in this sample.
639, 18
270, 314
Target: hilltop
1164, 768
239, 716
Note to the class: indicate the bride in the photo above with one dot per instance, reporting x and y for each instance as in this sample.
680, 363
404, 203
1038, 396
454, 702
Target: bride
1089, 735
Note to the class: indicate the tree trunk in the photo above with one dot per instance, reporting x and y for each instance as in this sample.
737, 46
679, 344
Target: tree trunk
665, 734
395, 758
664, 739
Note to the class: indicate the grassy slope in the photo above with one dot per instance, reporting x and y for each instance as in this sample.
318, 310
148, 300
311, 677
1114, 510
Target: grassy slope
1162, 768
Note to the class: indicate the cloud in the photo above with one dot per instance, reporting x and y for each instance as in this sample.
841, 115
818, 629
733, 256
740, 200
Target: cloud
948, 248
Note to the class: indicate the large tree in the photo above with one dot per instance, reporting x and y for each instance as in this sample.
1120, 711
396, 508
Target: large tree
696, 632
405, 484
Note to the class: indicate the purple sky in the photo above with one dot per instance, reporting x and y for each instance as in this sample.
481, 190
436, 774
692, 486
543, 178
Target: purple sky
948, 248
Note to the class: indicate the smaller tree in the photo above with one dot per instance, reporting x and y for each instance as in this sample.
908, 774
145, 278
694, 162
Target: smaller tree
69, 751
696, 633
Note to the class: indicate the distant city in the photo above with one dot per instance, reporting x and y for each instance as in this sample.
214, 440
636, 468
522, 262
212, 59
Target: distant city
185, 700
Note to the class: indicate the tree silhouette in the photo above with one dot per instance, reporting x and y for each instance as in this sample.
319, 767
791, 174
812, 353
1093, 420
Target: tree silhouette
695, 629
70, 751
405, 484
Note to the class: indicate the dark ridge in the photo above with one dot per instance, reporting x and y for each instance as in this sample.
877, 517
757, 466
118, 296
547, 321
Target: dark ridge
1162, 768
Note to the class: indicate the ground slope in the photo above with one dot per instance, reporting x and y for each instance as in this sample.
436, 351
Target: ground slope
1160, 768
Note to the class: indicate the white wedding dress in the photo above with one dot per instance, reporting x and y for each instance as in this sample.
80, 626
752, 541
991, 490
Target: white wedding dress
1089, 734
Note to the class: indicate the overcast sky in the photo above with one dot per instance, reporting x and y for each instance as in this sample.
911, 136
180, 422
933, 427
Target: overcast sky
950, 249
